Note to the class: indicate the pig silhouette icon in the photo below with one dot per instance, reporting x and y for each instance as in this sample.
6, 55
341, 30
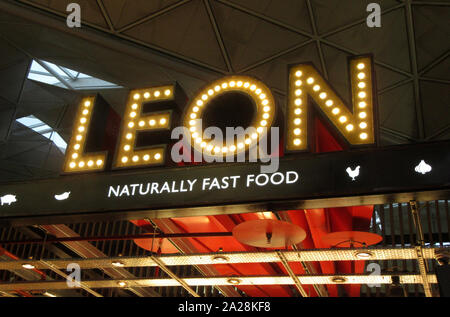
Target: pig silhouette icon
8, 199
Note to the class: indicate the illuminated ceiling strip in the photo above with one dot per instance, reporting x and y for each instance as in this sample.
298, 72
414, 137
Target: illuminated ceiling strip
233, 257
218, 281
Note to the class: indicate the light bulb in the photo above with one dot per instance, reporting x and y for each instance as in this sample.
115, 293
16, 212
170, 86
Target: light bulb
360, 66
146, 95
335, 111
361, 75
298, 102
298, 73
136, 96
322, 95
157, 93
157, 156
343, 119
310, 80
362, 115
316, 88
349, 127
297, 141
167, 92
99, 162
329, 103
363, 125
124, 159
297, 131
162, 121
363, 136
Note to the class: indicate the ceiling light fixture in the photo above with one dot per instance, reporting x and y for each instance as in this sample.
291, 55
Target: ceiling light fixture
28, 266
234, 281
338, 279
363, 255
118, 264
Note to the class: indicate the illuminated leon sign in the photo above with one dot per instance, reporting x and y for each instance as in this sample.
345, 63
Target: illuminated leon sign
145, 114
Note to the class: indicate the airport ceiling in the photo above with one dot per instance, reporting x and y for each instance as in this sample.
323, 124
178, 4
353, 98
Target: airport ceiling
136, 43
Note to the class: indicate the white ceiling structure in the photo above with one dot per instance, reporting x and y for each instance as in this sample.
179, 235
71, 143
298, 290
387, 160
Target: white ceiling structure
136, 43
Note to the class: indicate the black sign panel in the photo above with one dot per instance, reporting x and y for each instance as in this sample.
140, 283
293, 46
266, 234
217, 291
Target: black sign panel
313, 176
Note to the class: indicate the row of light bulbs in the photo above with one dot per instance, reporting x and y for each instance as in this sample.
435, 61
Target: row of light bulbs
76, 160
299, 98
161, 121
257, 91
362, 96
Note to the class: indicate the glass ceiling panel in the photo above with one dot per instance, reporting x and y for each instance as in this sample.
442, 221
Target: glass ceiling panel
56, 75
46, 131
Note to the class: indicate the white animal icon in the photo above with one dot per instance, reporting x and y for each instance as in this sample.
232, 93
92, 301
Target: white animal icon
62, 196
353, 173
423, 168
8, 199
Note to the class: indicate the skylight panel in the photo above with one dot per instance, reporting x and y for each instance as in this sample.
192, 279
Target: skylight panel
45, 130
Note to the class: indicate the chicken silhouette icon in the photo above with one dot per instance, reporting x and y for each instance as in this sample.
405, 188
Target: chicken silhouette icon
353, 173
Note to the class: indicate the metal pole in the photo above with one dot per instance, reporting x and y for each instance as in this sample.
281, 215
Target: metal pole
419, 249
